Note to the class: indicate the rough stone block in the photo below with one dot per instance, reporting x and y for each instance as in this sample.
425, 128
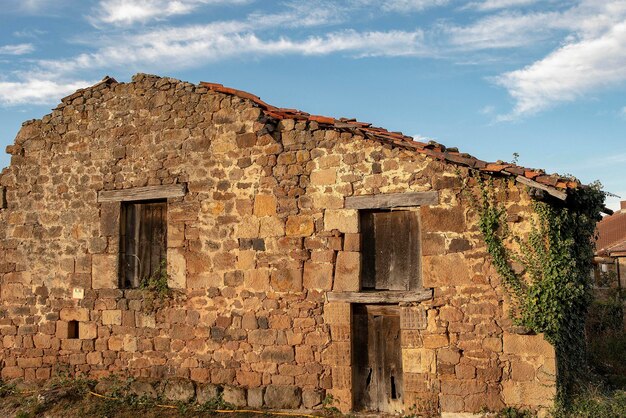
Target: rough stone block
312, 398
179, 390
282, 397
435, 340
528, 393
112, 317
176, 269
206, 393
436, 219
265, 205
248, 227
337, 313
142, 388
318, 276
528, 346
324, 177
235, 395
343, 220
287, 280
74, 314
418, 360
352, 242
413, 317
257, 280
271, 226
87, 331
347, 271
104, 271
255, 397
445, 270
299, 226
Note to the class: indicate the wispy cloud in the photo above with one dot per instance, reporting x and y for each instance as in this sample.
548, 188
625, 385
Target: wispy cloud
29, 33
196, 45
405, 6
18, 49
490, 5
505, 30
35, 91
573, 70
127, 12
191, 46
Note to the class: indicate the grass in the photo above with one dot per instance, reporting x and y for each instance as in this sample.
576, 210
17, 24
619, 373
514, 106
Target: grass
64, 397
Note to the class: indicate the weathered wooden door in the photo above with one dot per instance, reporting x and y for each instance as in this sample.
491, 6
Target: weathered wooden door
377, 358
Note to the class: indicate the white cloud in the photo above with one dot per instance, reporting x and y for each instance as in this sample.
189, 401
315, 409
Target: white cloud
570, 72
507, 30
37, 91
489, 5
405, 6
176, 48
196, 45
18, 49
29, 33
127, 12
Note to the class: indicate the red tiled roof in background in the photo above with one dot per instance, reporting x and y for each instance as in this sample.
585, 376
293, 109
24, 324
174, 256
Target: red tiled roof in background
611, 233
398, 139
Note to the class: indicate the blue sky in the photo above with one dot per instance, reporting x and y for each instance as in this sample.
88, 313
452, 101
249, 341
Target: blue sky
542, 78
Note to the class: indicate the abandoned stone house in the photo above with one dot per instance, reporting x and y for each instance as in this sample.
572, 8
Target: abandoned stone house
311, 256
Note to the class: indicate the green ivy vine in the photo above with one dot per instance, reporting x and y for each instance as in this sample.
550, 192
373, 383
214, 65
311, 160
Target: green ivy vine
551, 293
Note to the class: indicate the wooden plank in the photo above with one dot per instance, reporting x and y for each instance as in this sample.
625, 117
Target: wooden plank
361, 371
368, 251
392, 200
377, 352
382, 310
391, 376
142, 193
384, 248
385, 296
397, 251
550, 190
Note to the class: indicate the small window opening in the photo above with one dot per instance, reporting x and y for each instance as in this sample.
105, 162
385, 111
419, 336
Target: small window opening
390, 245
143, 241
72, 330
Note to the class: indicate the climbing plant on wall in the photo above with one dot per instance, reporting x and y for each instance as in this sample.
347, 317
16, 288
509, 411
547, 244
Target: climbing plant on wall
552, 293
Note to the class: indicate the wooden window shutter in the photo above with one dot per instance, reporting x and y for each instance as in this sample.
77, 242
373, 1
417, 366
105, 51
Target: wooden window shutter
390, 250
143, 245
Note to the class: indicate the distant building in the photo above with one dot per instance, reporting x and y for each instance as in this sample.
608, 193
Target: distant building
611, 250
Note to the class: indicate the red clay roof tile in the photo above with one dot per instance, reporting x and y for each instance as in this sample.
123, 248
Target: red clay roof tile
431, 149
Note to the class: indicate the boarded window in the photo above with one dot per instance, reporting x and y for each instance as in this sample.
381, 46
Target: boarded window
377, 370
390, 245
143, 235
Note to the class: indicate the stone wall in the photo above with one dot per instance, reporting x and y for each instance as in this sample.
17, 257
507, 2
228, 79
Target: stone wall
254, 245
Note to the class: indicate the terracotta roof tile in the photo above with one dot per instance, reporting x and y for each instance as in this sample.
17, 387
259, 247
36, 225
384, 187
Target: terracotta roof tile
611, 231
431, 149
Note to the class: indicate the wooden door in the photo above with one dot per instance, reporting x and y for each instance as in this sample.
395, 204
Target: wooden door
377, 358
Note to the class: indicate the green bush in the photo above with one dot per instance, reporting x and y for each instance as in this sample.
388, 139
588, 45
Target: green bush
595, 403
